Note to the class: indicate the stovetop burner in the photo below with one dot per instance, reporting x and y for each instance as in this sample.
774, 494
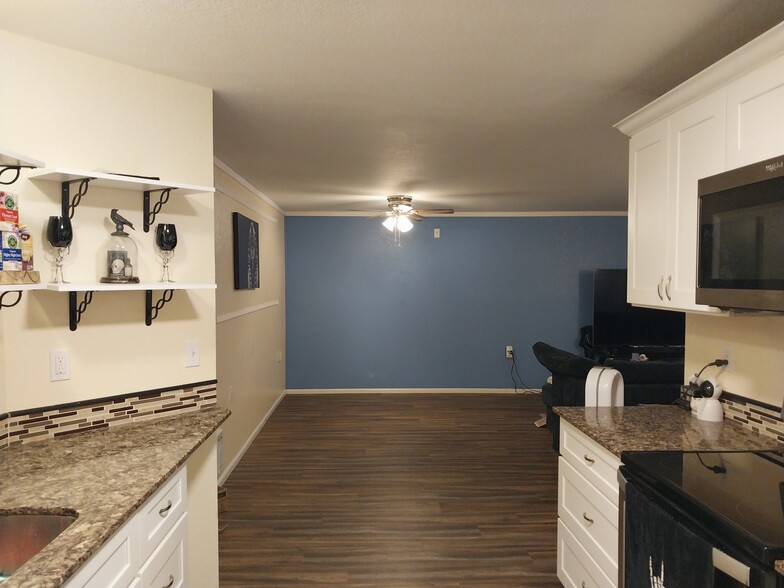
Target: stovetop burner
738, 495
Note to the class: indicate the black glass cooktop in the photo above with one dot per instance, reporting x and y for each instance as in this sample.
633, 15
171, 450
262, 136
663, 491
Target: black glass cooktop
738, 497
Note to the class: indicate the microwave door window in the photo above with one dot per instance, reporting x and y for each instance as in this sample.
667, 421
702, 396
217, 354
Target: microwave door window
742, 237
738, 246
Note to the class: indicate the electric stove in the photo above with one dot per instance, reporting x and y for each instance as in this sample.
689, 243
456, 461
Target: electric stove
735, 499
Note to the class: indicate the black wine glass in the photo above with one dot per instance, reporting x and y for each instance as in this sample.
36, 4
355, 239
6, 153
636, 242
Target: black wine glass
166, 236
166, 240
59, 233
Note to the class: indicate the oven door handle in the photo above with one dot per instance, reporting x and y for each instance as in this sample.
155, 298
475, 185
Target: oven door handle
732, 567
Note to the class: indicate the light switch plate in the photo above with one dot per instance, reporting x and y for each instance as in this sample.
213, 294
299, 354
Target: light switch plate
192, 353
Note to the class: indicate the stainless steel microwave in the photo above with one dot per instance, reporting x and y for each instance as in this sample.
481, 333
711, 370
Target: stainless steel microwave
740, 259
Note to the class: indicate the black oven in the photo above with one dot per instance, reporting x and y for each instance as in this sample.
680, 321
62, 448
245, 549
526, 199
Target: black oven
701, 519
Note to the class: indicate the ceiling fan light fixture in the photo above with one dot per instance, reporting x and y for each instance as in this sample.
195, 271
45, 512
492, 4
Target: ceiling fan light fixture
398, 223
389, 223
404, 224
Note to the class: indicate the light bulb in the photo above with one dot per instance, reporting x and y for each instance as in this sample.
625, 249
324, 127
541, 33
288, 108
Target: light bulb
404, 224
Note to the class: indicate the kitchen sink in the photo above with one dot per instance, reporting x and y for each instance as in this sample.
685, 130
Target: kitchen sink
24, 535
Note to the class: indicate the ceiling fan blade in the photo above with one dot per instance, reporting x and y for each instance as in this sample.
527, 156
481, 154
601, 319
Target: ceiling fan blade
415, 216
434, 211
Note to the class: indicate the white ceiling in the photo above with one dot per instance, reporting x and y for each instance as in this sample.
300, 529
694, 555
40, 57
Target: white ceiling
479, 105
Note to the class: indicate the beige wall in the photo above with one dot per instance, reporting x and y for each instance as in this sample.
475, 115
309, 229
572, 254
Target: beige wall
251, 323
754, 345
73, 110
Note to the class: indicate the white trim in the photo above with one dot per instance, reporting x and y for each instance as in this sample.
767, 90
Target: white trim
413, 391
243, 311
223, 167
228, 194
371, 214
233, 464
751, 56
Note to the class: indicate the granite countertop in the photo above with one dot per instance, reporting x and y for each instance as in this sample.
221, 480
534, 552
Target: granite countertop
103, 476
660, 428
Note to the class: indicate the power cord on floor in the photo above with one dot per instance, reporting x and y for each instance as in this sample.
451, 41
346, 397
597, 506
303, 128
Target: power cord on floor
522, 388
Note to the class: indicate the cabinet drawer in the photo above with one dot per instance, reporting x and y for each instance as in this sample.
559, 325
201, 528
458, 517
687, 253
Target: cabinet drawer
590, 516
160, 513
591, 460
576, 569
166, 567
114, 565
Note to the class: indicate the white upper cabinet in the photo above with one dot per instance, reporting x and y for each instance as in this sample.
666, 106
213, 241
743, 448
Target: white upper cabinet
648, 214
665, 161
696, 151
755, 115
730, 115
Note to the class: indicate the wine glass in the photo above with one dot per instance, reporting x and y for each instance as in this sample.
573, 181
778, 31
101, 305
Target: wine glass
166, 240
59, 233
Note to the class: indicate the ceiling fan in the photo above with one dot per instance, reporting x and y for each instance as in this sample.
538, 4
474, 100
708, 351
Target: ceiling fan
401, 212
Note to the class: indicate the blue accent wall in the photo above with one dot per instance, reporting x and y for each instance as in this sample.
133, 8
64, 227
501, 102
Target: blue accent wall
362, 312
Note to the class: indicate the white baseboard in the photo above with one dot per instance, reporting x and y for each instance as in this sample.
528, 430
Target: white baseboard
414, 391
224, 475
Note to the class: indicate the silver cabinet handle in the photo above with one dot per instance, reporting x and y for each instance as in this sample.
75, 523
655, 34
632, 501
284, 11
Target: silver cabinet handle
164, 511
589, 460
588, 519
171, 582
667, 288
659, 287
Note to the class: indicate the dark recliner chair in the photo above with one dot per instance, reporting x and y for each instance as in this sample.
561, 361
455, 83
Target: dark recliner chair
645, 382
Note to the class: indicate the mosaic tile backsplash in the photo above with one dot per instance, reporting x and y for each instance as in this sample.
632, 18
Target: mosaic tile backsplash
759, 417
52, 422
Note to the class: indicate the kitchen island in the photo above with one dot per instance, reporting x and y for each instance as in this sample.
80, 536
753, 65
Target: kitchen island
102, 476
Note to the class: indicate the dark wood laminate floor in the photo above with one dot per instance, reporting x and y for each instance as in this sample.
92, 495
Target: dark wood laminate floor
390, 490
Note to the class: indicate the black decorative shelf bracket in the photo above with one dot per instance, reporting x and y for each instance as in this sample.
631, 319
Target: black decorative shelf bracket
69, 206
150, 214
17, 168
75, 311
151, 310
4, 294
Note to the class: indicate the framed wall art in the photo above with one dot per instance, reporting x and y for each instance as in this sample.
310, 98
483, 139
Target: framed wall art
246, 252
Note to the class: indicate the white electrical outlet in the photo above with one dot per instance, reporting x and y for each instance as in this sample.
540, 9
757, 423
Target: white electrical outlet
509, 352
59, 365
728, 357
192, 353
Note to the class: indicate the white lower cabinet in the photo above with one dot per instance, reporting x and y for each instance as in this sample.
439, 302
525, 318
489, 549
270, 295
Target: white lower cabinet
149, 550
166, 566
587, 512
576, 569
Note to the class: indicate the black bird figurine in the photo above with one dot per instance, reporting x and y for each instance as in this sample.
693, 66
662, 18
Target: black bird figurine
119, 220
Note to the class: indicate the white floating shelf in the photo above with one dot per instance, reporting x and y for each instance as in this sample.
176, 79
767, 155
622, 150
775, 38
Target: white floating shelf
21, 287
116, 181
101, 287
11, 159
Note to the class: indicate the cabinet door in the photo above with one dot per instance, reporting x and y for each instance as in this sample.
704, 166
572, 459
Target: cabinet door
648, 214
697, 150
115, 564
755, 115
